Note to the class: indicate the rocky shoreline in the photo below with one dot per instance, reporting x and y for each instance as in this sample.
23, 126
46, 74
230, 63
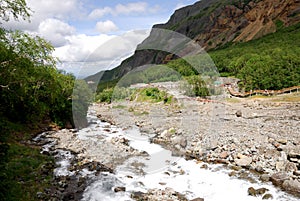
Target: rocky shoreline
257, 140
258, 135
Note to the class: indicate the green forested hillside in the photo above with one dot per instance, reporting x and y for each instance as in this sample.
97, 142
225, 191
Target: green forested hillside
271, 62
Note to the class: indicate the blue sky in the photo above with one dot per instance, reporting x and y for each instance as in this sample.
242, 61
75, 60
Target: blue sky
77, 28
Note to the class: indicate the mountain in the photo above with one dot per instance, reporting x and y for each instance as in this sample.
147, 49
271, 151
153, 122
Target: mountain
214, 24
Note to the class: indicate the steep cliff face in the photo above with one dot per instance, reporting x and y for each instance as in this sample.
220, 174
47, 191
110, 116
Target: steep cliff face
214, 23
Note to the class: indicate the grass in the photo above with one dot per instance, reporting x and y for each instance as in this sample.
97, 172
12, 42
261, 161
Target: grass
119, 107
294, 97
21, 165
233, 100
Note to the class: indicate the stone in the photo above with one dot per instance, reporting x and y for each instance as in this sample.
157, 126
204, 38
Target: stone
290, 167
197, 199
251, 191
243, 161
292, 186
261, 191
294, 154
282, 141
267, 197
278, 178
120, 189
280, 166
259, 169
256, 192
138, 195
183, 143
239, 113
224, 154
297, 173
204, 166
265, 178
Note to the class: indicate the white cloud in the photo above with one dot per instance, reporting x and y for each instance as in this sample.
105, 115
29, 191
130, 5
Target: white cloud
86, 55
95, 53
80, 47
138, 7
55, 31
106, 26
98, 13
55, 8
124, 9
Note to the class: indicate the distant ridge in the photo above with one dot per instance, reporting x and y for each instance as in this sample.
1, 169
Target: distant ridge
213, 24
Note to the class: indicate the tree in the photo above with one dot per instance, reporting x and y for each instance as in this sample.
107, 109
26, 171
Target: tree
14, 8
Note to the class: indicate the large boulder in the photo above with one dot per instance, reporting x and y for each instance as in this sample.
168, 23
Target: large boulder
278, 178
292, 186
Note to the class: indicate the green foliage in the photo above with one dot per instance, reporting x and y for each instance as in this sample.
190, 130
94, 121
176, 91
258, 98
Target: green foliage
82, 97
153, 95
271, 62
105, 95
195, 86
31, 90
106, 85
182, 67
16, 8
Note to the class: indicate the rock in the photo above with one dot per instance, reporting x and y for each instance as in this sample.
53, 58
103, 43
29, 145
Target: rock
297, 173
183, 143
259, 169
282, 141
232, 173
120, 189
290, 167
243, 161
166, 134
267, 197
224, 154
138, 195
265, 178
278, 178
255, 192
294, 154
251, 191
261, 191
204, 166
40, 194
197, 199
280, 166
239, 113
292, 186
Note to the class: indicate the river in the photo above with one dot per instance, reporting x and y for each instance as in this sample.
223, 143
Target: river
159, 169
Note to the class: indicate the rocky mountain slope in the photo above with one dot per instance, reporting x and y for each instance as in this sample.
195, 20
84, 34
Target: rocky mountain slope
213, 24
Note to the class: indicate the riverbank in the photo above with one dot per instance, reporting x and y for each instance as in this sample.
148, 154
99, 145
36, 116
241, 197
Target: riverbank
246, 144
256, 134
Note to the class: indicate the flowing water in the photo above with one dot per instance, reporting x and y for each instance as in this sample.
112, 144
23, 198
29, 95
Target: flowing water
160, 170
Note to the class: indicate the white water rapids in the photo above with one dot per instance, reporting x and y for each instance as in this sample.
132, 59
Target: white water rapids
160, 170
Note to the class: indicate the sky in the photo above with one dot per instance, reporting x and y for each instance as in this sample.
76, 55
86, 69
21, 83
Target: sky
92, 35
